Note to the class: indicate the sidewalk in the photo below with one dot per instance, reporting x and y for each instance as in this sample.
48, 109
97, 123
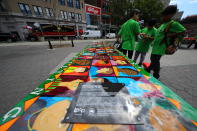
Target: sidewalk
57, 42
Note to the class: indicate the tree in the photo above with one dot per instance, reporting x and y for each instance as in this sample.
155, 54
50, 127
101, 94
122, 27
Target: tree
149, 8
120, 9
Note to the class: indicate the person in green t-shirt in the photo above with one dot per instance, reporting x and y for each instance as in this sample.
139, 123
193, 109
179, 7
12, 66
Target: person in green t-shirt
162, 38
128, 32
143, 46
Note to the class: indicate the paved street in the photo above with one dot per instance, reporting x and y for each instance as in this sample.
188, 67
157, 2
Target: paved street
23, 66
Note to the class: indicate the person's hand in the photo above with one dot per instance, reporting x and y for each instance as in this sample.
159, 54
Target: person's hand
118, 40
143, 34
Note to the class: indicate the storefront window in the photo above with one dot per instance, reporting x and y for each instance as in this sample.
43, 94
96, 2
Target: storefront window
25, 9
49, 12
37, 10
63, 14
80, 17
69, 16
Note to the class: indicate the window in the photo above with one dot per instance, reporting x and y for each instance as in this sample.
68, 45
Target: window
70, 3
49, 12
62, 2
38, 10
106, 7
82, 5
79, 17
78, 4
76, 17
63, 14
69, 16
25, 9
72, 16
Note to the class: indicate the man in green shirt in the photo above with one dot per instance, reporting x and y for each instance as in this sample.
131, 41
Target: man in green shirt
143, 46
162, 38
128, 32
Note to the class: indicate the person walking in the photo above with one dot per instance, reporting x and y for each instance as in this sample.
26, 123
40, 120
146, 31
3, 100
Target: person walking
193, 42
128, 32
166, 33
143, 46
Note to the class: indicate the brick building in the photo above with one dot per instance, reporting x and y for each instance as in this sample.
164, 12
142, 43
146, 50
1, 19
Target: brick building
15, 14
106, 21
190, 23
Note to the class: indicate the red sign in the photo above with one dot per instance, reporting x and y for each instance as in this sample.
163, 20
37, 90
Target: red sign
93, 10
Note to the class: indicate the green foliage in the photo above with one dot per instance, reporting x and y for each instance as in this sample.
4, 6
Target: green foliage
119, 9
149, 9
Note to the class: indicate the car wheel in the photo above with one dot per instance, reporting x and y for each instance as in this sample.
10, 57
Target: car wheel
33, 39
9, 40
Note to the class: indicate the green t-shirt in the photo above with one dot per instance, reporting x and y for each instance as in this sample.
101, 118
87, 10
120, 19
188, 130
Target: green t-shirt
144, 44
158, 47
128, 33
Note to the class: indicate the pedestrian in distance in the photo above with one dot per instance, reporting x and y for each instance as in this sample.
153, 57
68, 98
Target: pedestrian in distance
128, 32
193, 42
147, 37
167, 34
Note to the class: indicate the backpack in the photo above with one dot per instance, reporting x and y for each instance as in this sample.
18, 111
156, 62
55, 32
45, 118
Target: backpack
174, 42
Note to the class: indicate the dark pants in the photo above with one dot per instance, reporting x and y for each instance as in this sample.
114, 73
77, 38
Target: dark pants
143, 55
130, 53
155, 65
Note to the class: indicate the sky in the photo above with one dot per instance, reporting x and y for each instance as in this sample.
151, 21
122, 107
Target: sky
188, 6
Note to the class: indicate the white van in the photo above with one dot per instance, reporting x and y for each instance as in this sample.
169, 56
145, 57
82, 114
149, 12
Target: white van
110, 35
91, 34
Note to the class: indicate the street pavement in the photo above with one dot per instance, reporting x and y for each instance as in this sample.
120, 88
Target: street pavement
25, 65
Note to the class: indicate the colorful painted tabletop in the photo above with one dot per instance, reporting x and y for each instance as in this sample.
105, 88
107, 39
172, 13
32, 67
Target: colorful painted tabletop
154, 103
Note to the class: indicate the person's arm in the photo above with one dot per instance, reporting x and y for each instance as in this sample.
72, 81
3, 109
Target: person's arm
177, 29
137, 30
149, 37
119, 35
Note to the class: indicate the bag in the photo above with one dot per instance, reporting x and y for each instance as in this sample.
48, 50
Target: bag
117, 45
173, 47
174, 43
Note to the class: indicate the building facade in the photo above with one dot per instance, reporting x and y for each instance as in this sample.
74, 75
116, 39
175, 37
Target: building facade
105, 23
15, 14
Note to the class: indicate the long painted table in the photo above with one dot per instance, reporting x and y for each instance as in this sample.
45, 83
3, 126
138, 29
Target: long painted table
46, 106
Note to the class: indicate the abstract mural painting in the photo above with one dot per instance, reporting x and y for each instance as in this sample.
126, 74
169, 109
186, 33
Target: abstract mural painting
146, 103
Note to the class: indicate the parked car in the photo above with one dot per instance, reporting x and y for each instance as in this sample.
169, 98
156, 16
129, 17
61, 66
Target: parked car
110, 35
91, 34
8, 37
